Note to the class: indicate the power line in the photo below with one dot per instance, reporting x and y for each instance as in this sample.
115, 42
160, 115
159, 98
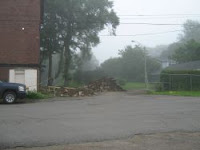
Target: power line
145, 15
136, 18
145, 34
157, 24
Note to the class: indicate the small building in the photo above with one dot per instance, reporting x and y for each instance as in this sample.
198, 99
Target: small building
20, 41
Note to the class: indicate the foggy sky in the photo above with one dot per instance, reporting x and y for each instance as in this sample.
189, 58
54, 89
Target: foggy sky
109, 46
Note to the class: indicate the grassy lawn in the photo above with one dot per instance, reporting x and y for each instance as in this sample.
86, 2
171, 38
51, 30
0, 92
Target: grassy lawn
133, 86
178, 93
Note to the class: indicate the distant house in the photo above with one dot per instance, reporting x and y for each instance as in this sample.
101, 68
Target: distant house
166, 63
20, 41
193, 65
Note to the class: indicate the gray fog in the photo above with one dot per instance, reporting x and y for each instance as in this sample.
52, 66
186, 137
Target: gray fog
173, 12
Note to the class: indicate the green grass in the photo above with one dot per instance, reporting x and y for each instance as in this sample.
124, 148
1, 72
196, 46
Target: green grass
178, 93
133, 86
37, 95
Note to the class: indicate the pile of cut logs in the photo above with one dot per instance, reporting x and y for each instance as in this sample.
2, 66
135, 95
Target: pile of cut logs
104, 84
75, 92
101, 85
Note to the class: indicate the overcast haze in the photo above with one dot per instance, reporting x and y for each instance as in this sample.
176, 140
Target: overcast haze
159, 11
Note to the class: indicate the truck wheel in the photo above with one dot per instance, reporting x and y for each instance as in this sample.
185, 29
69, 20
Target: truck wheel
9, 97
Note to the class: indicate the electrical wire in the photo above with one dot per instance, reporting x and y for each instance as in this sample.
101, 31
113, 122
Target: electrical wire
157, 24
160, 18
145, 15
145, 34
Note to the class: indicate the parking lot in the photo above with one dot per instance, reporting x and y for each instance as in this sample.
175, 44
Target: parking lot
109, 116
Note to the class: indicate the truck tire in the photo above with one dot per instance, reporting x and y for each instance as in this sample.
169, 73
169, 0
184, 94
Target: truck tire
9, 97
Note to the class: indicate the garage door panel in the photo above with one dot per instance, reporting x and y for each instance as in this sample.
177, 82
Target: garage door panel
20, 76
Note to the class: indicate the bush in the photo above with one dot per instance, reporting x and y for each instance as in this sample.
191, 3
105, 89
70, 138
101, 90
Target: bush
36, 95
158, 87
180, 80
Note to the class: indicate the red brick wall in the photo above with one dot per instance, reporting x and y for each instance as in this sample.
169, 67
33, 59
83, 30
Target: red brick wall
18, 46
4, 74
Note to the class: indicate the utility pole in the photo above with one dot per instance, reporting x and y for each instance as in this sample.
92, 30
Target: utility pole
145, 65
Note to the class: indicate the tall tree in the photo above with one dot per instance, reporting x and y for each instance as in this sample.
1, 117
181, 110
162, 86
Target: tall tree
191, 31
186, 49
50, 40
82, 20
75, 25
189, 44
188, 52
113, 67
167, 54
130, 64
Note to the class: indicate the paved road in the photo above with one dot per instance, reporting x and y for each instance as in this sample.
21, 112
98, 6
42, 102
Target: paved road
106, 117
157, 141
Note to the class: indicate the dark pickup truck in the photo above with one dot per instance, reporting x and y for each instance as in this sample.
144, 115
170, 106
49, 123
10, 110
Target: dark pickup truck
10, 92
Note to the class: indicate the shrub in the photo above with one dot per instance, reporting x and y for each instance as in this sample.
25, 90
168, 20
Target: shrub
37, 95
158, 87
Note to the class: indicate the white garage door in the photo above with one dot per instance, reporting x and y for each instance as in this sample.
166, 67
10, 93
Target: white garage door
20, 76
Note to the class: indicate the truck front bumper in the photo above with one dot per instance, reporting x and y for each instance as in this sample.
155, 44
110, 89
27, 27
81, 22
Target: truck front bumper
21, 95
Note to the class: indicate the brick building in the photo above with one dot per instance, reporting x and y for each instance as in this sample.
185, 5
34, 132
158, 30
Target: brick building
20, 41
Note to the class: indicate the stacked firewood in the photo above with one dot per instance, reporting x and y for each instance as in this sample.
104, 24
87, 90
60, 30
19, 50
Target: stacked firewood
66, 91
104, 84
101, 85
75, 92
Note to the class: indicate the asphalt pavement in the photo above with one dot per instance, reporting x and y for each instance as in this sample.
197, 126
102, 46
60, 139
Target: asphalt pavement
109, 116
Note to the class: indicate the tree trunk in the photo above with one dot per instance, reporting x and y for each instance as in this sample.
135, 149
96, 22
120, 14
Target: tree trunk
60, 66
41, 67
67, 44
50, 79
67, 54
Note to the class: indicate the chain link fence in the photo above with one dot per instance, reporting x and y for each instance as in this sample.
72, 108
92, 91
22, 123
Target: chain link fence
175, 82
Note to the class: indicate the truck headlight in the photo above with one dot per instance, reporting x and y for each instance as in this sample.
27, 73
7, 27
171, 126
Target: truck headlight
21, 88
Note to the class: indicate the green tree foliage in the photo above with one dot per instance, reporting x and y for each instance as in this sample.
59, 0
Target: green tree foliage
130, 64
191, 31
82, 66
188, 52
82, 21
187, 48
112, 67
167, 54
78, 23
190, 40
